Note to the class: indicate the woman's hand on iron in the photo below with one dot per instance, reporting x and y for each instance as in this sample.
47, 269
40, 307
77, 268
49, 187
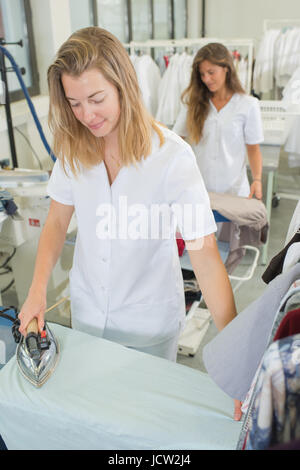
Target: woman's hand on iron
33, 307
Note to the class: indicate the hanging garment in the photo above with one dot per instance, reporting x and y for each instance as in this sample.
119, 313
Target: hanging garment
277, 59
290, 302
145, 306
184, 71
242, 71
291, 99
192, 292
169, 93
275, 266
292, 256
174, 81
292, 146
264, 63
248, 334
287, 57
291, 445
275, 416
290, 325
294, 223
241, 210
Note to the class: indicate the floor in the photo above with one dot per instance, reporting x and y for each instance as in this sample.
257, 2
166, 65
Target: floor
288, 180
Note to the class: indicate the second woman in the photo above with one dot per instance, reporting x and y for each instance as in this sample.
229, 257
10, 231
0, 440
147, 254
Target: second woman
222, 123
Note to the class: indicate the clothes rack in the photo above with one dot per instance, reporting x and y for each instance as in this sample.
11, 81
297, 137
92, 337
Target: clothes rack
187, 43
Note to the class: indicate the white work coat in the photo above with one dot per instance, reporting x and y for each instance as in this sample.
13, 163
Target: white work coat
129, 288
221, 152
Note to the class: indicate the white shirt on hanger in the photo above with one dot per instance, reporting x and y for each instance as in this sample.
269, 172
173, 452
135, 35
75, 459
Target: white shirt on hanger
149, 78
130, 289
264, 64
242, 71
221, 152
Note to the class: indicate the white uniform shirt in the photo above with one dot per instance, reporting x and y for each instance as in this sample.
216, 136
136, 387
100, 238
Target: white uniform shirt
221, 152
131, 290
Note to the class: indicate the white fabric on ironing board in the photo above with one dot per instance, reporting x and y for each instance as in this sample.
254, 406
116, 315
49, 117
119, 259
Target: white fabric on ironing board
105, 396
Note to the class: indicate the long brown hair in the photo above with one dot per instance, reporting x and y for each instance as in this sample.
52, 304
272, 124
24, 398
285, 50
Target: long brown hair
90, 48
197, 95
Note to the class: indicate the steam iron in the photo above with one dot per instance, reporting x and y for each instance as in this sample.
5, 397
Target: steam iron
37, 354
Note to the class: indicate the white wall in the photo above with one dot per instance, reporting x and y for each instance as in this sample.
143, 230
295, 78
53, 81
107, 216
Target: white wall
194, 18
244, 18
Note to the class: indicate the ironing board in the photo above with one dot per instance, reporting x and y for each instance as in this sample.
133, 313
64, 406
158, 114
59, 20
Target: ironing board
105, 396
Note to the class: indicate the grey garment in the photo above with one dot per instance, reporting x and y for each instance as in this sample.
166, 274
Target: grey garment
248, 226
233, 356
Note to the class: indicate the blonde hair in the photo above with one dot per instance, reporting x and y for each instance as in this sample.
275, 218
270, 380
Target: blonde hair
197, 95
91, 48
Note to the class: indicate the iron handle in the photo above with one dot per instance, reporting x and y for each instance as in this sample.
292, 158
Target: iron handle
32, 326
